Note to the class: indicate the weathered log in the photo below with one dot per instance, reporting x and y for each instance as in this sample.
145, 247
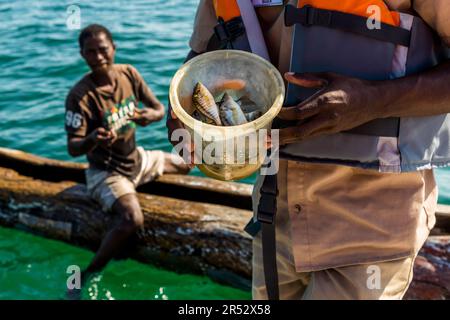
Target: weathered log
236, 195
179, 235
442, 220
432, 271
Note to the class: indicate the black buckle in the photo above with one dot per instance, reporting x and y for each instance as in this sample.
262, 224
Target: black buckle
228, 31
307, 16
221, 32
314, 16
267, 206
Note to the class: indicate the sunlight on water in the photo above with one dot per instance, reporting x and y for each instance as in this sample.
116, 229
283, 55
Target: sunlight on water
32, 267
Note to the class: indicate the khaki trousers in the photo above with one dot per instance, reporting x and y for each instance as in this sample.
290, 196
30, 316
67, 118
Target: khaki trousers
356, 236
378, 281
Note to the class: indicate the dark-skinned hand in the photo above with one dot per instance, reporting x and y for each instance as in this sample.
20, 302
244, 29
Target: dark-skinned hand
342, 103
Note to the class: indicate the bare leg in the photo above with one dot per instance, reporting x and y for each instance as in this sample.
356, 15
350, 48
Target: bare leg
131, 220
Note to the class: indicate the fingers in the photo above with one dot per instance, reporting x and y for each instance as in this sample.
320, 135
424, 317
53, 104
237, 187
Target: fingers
306, 109
302, 131
187, 153
133, 118
296, 113
102, 136
136, 115
101, 131
113, 134
268, 142
307, 80
105, 135
191, 149
112, 138
309, 107
172, 125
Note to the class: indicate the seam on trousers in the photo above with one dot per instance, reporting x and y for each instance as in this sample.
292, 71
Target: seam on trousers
377, 259
307, 237
410, 276
306, 208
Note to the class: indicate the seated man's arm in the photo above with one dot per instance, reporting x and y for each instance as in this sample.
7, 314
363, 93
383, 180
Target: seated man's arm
79, 140
78, 146
154, 109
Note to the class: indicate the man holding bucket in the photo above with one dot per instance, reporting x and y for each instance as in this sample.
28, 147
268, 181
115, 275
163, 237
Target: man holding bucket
356, 191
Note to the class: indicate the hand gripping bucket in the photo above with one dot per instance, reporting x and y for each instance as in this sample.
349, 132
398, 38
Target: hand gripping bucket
233, 152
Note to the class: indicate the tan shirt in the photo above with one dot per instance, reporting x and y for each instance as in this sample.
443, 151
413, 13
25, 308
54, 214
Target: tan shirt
347, 215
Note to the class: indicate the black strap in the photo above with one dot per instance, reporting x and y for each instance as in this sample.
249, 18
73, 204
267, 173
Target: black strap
266, 213
227, 32
386, 127
309, 16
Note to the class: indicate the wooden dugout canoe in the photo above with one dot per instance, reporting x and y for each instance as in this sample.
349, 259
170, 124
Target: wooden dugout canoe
202, 235
192, 224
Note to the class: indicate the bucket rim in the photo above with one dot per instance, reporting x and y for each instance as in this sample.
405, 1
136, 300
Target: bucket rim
258, 123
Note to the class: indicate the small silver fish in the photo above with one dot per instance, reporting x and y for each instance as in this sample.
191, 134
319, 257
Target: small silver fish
250, 116
200, 117
204, 102
230, 112
247, 105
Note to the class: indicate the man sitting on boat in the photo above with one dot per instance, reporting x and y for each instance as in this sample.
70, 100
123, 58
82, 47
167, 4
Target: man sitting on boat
101, 116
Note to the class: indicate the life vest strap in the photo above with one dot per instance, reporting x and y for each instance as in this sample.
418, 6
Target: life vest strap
310, 16
384, 127
227, 31
266, 213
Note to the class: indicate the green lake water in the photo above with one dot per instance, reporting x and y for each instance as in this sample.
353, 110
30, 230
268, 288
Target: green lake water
32, 267
39, 62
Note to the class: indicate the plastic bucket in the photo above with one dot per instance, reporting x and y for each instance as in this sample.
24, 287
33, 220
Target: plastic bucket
232, 148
